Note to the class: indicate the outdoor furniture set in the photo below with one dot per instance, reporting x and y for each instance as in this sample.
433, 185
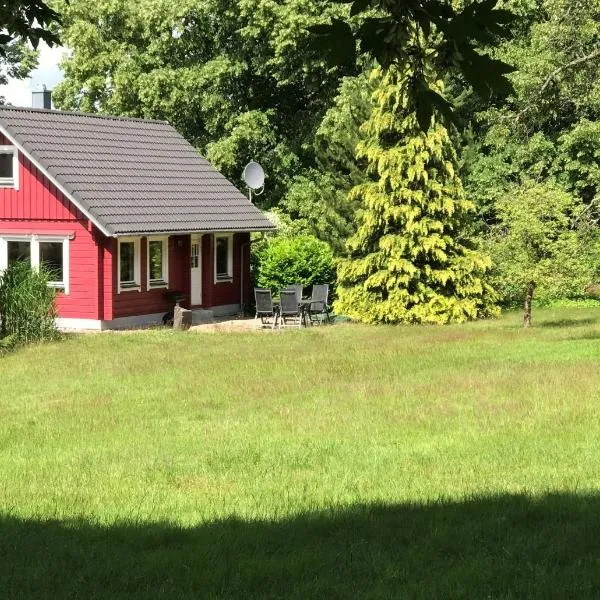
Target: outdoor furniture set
290, 308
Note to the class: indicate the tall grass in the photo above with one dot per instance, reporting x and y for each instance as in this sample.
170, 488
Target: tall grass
27, 306
344, 462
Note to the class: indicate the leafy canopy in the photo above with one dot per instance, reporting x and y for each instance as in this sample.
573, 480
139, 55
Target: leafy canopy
547, 130
542, 237
240, 79
318, 199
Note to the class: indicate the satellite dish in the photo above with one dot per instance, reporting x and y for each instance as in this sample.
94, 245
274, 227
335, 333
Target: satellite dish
253, 175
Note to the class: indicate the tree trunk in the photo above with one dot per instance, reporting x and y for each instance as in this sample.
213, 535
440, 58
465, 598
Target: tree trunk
528, 299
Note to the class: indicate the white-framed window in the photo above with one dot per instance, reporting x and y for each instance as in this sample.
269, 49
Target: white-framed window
129, 264
9, 167
158, 262
50, 251
223, 257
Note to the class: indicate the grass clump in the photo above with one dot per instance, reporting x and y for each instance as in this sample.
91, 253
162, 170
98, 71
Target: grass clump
27, 306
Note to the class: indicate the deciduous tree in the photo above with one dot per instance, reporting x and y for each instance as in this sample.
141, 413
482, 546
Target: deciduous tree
542, 243
239, 79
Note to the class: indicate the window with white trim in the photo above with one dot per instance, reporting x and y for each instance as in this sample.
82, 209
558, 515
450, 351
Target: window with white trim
9, 167
52, 257
129, 264
223, 257
50, 251
158, 262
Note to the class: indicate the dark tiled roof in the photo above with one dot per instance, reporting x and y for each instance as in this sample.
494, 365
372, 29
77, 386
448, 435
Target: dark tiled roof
132, 175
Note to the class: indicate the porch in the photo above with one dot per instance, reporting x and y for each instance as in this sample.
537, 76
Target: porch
210, 271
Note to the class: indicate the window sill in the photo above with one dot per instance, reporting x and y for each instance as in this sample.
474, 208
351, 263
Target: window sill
225, 279
59, 287
157, 285
133, 287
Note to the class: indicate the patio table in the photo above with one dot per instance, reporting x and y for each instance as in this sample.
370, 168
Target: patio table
304, 305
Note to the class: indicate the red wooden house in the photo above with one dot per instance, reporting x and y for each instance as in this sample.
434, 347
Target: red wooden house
124, 210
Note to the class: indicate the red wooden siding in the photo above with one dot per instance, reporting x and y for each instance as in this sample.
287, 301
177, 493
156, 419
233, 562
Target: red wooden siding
38, 207
109, 260
37, 198
149, 301
227, 292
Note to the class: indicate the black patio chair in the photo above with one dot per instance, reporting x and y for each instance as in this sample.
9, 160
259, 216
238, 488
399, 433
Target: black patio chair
296, 287
290, 309
318, 309
265, 309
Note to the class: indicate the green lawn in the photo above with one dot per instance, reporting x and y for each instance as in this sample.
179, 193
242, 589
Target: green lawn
336, 462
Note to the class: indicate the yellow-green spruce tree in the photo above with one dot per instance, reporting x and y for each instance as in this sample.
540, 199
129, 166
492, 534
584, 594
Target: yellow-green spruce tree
411, 259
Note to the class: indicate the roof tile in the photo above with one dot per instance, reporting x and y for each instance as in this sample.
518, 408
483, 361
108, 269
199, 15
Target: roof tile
132, 175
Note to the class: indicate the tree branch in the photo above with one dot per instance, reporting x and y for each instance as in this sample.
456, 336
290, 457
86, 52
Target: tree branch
577, 61
573, 63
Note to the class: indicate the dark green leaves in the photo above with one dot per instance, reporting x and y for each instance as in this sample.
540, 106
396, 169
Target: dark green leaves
336, 41
26, 20
420, 34
427, 101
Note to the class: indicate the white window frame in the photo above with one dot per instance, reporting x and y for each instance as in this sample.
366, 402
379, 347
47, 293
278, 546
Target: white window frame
135, 285
163, 282
229, 238
34, 241
11, 182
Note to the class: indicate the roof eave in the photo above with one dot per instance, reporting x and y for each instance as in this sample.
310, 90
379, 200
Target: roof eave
143, 232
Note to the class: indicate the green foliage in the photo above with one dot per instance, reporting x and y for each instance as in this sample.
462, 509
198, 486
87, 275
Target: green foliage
27, 21
540, 237
16, 62
284, 260
531, 166
549, 127
239, 79
7, 344
451, 36
26, 304
411, 259
578, 161
318, 197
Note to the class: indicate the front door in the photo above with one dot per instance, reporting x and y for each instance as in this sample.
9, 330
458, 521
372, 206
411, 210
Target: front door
196, 271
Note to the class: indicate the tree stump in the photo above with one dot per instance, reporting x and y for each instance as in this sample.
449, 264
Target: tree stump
182, 318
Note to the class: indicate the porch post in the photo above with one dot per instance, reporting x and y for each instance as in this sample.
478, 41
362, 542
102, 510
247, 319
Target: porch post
208, 275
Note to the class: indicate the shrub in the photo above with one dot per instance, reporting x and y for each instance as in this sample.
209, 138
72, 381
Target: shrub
27, 304
301, 259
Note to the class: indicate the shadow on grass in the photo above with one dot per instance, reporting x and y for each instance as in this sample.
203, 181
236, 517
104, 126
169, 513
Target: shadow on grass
588, 335
568, 323
503, 547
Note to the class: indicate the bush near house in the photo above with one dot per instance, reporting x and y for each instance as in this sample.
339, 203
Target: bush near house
301, 259
26, 305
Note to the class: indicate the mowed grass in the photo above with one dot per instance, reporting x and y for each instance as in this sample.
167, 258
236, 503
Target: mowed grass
334, 462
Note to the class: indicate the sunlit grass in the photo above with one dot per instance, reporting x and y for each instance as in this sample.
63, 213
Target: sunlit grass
184, 430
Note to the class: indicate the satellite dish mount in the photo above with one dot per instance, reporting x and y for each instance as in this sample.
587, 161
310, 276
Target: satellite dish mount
254, 177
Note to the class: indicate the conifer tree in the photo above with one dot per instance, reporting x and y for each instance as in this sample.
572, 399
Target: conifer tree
411, 260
